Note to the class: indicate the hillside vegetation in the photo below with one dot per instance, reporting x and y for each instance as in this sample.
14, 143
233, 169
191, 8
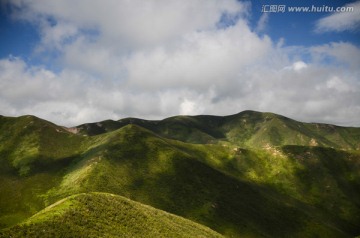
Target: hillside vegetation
246, 175
246, 129
106, 215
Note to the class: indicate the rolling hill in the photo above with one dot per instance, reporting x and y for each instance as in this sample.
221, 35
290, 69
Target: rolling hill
105, 215
247, 175
247, 129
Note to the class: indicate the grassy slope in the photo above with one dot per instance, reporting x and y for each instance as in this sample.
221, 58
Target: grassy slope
235, 191
173, 176
106, 215
247, 129
34, 155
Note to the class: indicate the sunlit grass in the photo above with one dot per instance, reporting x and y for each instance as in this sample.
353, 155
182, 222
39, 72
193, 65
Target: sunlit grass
241, 176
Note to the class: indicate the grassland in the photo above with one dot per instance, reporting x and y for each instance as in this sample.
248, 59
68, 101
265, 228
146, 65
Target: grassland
247, 175
106, 215
248, 129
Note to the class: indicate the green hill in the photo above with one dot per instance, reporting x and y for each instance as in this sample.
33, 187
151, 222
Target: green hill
226, 179
105, 215
246, 129
34, 154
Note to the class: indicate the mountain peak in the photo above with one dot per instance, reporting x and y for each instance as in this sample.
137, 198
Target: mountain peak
247, 129
249, 174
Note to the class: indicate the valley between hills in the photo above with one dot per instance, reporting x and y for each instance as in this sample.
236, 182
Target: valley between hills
251, 174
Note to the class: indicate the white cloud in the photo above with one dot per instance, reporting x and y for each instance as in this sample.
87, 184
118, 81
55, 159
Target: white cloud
297, 66
341, 21
155, 59
54, 36
202, 60
262, 23
135, 23
338, 84
188, 107
342, 52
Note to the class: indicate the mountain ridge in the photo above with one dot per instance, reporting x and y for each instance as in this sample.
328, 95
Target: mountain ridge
226, 173
250, 124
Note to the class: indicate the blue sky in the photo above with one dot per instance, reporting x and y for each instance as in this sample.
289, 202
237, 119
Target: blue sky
111, 59
298, 28
17, 38
20, 37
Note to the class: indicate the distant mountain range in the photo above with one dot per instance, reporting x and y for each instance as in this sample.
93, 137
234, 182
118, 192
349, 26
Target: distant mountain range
250, 174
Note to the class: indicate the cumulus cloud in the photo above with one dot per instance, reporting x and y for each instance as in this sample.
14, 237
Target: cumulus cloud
201, 60
155, 59
341, 52
297, 66
346, 20
132, 23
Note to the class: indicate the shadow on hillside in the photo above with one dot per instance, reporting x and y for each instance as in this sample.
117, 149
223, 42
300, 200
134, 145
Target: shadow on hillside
189, 188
